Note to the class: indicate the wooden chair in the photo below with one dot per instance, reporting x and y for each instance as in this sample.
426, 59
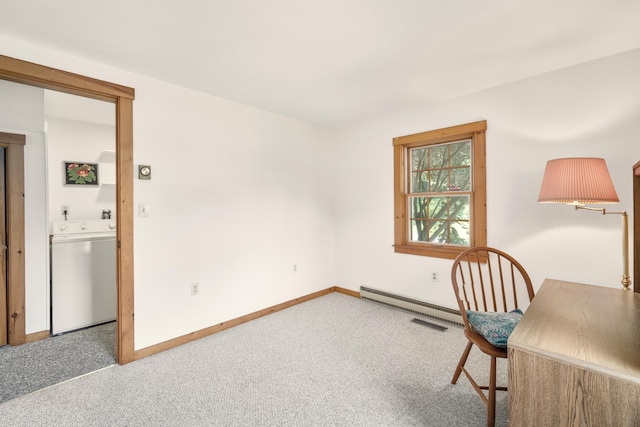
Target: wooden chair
487, 280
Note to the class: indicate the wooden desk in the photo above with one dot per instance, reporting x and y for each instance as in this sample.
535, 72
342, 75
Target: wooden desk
574, 358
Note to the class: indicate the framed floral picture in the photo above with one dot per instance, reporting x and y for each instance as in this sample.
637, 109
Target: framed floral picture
80, 173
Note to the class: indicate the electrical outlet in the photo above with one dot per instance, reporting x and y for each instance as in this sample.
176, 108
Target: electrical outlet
195, 289
435, 276
295, 267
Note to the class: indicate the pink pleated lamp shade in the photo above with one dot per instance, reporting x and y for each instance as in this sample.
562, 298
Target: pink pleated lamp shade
577, 181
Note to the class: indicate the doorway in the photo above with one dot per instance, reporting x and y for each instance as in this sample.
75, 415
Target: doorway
80, 187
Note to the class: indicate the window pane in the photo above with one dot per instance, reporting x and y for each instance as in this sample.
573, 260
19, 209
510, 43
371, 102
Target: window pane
439, 156
460, 179
419, 207
419, 158
460, 153
441, 168
419, 231
439, 179
438, 207
419, 182
459, 208
443, 220
460, 233
439, 231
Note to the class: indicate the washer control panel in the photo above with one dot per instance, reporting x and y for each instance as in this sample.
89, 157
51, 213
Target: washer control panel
84, 227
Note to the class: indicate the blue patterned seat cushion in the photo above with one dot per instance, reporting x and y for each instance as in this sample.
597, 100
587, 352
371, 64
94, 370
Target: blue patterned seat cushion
495, 327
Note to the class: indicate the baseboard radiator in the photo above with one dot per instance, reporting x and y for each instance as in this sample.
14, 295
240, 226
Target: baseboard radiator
433, 311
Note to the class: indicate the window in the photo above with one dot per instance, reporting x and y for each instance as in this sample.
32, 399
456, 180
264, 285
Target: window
440, 194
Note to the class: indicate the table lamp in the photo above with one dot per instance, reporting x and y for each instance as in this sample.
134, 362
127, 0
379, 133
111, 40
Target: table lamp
579, 181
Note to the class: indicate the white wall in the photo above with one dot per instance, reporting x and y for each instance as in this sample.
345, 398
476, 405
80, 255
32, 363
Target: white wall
237, 197
589, 110
71, 140
36, 236
22, 112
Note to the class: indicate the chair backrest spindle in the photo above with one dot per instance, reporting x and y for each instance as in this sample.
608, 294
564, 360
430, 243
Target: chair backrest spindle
472, 284
502, 284
481, 279
492, 282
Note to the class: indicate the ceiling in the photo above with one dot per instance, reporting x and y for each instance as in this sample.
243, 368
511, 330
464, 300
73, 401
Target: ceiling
71, 107
330, 62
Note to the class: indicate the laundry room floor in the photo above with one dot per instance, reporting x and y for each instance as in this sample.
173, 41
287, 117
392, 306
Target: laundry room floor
34, 366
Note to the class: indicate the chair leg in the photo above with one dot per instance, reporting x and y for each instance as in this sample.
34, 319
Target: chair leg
491, 404
463, 360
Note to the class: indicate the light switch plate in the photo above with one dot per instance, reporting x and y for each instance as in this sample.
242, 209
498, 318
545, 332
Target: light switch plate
143, 210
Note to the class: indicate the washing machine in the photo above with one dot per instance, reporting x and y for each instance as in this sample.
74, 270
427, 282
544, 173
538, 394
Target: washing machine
83, 274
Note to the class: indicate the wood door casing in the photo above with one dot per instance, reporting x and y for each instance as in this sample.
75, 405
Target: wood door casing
14, 216
28, 73
636, 227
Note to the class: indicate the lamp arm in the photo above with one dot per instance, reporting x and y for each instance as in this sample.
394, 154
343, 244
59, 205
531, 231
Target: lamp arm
626, 279
601, 210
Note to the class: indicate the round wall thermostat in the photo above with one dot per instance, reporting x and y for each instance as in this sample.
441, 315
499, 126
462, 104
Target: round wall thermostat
144, 172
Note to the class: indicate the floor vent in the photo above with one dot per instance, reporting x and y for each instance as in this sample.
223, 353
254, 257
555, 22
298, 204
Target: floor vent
430, 325
436, 312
